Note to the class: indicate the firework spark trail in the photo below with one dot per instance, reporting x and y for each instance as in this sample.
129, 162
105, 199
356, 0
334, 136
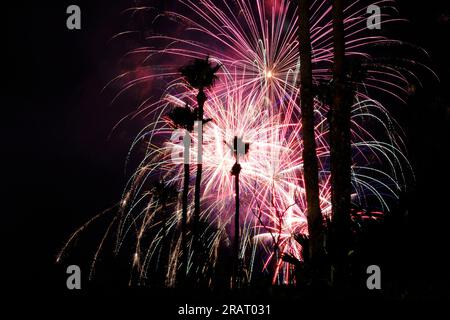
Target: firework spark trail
271, 177
256, 99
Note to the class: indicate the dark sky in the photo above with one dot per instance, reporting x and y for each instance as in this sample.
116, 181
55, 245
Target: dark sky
60, 168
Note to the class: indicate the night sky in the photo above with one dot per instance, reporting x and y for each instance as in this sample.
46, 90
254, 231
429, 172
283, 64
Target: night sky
61, 165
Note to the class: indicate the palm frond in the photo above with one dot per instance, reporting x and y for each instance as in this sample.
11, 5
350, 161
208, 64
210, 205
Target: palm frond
200, 73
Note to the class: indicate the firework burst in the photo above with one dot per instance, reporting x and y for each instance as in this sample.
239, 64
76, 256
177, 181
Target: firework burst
256, 99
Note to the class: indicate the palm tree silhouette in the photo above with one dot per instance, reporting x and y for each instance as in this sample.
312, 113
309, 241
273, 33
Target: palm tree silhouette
235, 171
310, 162
200, 74
183, 118
340, 149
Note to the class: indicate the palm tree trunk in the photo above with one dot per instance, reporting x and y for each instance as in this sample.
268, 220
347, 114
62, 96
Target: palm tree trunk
201, 98
310, 165
340, 154
184, 220
236, 232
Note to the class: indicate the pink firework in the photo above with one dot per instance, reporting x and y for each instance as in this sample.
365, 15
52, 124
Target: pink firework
256, 98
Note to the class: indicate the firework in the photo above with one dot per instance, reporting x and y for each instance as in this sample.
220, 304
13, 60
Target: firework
255, 99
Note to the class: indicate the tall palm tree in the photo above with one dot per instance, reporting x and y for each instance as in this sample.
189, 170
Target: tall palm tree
340, 151
183, 118
200, 74
310, 163
235, 171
